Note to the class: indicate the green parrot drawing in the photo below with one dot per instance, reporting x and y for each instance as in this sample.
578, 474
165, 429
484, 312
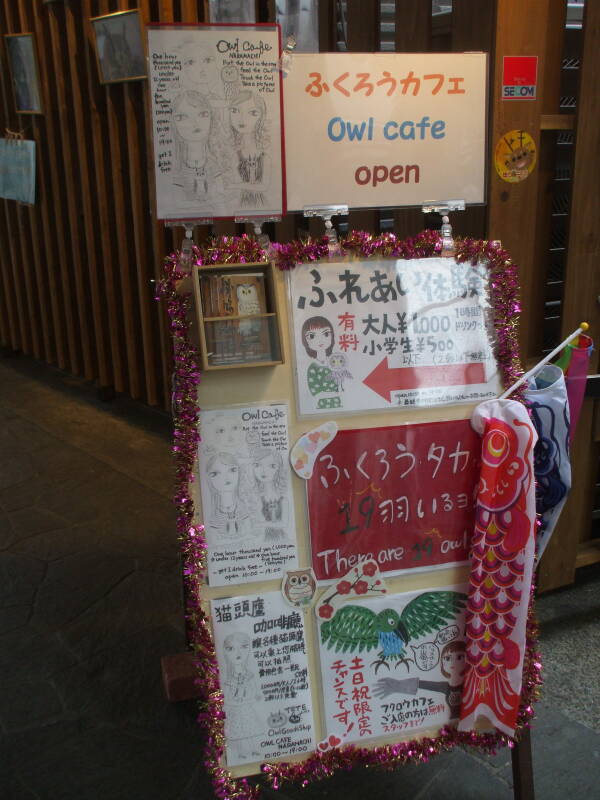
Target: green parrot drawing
357, 628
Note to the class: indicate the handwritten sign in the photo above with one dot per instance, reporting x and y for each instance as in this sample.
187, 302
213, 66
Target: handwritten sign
216, 120
246, 493
385, 129
403, 496
383, 334
261, 650
383, 668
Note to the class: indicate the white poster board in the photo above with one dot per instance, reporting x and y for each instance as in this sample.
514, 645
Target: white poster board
246, 493
216, 120
384, 334
261, 650
389, 669
385, 129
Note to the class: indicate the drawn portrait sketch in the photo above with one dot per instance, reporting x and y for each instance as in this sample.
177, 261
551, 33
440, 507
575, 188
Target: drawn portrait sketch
119, 47
261, 651
243, 699
246, 493
216, 121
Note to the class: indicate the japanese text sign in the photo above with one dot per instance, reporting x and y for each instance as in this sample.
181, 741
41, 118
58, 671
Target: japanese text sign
379, 334
261, 650
402, 496
386, 129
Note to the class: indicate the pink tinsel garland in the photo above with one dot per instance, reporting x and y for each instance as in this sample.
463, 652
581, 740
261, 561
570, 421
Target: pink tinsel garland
231, 249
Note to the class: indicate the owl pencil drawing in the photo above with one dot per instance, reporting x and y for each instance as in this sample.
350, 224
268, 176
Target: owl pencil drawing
338, 363
232, 84
299, 586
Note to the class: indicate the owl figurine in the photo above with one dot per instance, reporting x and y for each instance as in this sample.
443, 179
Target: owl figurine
248, 305
299, 587
338, 363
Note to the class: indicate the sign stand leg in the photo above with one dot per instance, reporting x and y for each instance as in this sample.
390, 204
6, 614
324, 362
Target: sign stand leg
522, 768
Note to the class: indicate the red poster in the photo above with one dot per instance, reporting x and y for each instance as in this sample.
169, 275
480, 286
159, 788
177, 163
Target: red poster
402, 495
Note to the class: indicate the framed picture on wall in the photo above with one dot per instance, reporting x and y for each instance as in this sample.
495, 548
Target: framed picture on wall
120, 47
24, 72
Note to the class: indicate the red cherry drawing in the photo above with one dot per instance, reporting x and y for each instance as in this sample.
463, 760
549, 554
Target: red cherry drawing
334, 740
370, 568
344, 587
362, 587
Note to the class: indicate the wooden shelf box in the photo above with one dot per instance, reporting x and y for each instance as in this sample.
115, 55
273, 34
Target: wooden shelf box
238, 320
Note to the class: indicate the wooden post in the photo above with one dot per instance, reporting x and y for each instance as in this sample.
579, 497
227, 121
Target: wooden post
534, 29
522, 768
582, 289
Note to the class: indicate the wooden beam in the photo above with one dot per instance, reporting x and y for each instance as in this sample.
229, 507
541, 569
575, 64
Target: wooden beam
513, 211
15, 242
102, 200
62, 109
412, 34
582, 281
363, 37
582, 288
557, 122
588, 553
88, 188
159, 248
56, 189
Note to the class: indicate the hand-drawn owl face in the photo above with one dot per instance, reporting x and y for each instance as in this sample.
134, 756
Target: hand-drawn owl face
277, 719
230, 74
337, 361
299, 586
247, 298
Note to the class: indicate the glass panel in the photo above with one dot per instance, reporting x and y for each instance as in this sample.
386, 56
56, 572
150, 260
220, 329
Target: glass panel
241, 341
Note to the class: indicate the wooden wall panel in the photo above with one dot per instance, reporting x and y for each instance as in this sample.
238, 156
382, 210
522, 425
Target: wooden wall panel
78, 270
581, 303
513, 208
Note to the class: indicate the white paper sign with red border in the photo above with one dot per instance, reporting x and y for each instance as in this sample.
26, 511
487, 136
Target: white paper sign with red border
216, 120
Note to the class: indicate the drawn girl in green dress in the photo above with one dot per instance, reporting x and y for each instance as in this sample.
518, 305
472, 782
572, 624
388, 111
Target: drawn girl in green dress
318, 340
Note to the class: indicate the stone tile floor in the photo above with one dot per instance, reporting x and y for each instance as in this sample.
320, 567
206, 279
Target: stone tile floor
90, 599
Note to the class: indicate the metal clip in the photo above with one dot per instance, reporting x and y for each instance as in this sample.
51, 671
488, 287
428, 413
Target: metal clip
186, 247
447, 240
257, 223
326, 213
444, 207
284, 62
14, 136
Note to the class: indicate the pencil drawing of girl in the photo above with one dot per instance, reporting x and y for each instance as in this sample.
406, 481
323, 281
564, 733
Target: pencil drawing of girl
246, 119
318, 339
229, 519
242, 697
269, 479
199, 157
